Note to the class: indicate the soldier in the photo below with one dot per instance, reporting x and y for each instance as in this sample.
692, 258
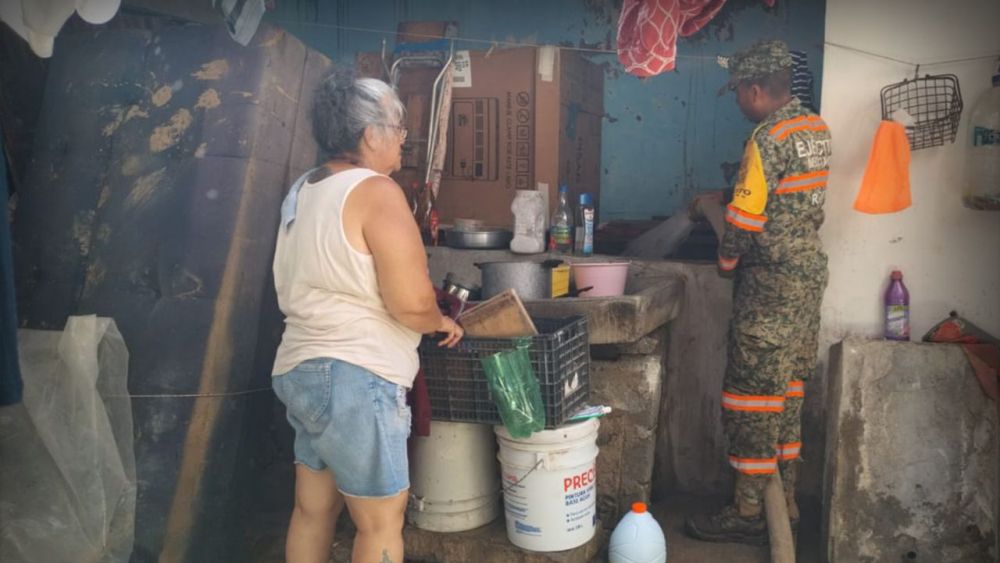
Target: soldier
769, 242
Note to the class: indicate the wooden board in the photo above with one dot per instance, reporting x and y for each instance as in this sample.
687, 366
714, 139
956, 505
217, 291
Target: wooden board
501, 316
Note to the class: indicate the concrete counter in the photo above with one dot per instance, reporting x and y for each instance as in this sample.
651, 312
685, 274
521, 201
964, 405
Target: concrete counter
652, 297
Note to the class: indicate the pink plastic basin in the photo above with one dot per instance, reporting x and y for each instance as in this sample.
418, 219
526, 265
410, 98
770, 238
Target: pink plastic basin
606, 278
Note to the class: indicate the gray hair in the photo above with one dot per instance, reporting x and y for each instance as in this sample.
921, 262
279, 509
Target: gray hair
344, 106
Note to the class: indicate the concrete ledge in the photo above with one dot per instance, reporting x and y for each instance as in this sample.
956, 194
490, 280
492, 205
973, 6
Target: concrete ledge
652, 298
912, 456
612, 320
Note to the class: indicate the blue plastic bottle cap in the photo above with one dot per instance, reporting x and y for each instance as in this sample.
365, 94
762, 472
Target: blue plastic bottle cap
585, 199
563, 189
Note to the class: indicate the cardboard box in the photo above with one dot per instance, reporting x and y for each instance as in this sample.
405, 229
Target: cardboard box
526, 118
422, 31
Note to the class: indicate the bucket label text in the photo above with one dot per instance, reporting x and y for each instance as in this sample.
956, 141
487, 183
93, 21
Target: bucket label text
580, 481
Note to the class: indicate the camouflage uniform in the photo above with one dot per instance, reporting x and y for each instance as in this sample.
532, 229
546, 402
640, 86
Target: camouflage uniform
772, 246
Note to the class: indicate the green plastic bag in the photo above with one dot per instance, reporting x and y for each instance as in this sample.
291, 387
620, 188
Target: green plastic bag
515, 389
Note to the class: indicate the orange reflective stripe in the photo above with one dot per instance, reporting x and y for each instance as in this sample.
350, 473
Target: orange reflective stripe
754, 466
746, 226
728, 264
804, 188
744, 220
802, 123
752, 403
789, 451
796, 389
784, 135
806, 176
745, 215
802, 182
782, 125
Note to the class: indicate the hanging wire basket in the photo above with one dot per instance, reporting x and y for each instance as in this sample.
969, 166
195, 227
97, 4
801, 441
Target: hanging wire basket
933, 102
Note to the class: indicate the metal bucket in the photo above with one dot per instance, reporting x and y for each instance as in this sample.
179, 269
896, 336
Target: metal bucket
531, 280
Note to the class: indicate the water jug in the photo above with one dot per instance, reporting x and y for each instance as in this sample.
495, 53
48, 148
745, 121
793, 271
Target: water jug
529, 212
982, 169
637, 538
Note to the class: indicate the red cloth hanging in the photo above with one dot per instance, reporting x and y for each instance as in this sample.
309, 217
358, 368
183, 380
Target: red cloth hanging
648, 31
419, 399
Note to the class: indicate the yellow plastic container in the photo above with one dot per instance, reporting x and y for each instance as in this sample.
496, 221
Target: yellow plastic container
560, 280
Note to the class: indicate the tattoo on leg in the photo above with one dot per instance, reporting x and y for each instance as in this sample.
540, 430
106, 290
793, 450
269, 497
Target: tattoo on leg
385, 556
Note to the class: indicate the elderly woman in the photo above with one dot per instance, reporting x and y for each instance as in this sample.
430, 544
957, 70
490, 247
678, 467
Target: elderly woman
351, 277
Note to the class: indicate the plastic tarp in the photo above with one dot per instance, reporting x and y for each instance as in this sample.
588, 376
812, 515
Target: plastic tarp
67, 468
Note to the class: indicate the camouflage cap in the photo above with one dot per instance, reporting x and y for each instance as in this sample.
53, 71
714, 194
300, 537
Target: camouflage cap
760, 59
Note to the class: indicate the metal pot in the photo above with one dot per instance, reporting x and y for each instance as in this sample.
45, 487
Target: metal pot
531, 280
483, 239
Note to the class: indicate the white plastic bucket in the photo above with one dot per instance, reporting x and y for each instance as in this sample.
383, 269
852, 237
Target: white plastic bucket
454, 479
549, 491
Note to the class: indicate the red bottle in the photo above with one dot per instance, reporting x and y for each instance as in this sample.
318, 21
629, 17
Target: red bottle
434, 225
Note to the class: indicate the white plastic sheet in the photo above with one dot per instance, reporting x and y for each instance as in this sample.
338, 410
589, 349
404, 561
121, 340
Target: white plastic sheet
67, 467
39, 21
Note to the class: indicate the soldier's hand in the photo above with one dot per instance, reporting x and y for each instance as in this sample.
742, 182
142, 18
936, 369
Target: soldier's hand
702, 201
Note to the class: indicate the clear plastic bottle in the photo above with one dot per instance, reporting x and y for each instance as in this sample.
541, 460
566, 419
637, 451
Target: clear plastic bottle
583, 242
529, 211
637, 538
982, 175
561, 229
897, 308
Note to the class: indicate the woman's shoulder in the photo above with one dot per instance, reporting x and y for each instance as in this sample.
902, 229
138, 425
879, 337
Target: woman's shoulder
378, 186
326, 174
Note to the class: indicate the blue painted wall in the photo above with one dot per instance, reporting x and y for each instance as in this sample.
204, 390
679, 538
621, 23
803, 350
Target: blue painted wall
664, 138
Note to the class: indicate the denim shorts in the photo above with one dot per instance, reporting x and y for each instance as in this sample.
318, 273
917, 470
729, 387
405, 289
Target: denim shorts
351, 421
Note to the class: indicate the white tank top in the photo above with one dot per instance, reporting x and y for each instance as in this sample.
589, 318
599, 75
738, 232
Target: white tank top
329, 292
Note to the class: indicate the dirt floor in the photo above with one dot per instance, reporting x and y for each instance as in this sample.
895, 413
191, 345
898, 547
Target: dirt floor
670, 513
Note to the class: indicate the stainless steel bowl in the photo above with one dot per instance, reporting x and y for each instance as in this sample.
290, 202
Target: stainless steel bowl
483, 239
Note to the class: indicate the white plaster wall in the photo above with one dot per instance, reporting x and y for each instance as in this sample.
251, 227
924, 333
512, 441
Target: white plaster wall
949, 255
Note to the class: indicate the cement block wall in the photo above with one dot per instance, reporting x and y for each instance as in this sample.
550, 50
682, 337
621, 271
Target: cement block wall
690, 444
912, 460
691, 447
631, 385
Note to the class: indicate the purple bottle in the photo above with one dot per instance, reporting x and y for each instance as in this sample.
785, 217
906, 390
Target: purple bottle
897, 308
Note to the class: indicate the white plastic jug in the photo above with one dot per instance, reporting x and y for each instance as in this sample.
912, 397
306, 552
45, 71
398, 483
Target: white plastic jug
529, 212
637, 538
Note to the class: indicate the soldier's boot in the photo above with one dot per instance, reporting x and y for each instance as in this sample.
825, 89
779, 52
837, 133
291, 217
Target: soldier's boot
741, 522
789, 475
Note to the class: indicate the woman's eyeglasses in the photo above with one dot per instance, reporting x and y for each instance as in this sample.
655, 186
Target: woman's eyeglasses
400, 129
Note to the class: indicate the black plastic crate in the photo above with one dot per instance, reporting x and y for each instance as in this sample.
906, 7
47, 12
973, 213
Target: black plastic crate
560, 356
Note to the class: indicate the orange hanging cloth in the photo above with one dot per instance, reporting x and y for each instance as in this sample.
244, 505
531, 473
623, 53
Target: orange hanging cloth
886, 186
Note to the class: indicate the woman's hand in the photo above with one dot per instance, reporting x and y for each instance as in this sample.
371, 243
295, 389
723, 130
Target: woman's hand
453, 332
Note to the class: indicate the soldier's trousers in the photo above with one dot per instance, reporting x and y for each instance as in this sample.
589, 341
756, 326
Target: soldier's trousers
773, 341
